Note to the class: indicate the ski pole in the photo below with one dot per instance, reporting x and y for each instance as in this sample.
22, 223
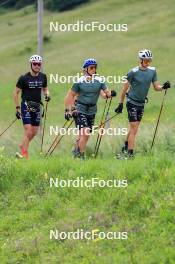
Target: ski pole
45, 116
8, 126
158, 119
101, 124
55, 139
60, 139
109, 119
100, 137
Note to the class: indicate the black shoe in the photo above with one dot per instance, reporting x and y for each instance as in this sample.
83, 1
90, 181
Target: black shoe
124, 149
76, 152
121, 156
131, 156
125, 156
82, 156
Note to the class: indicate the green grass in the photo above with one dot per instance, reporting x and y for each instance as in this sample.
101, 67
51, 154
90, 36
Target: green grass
145, 209
64, 54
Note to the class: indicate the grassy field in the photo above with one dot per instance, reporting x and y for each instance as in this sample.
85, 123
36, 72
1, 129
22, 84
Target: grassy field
145, 209
29, 208
116, 53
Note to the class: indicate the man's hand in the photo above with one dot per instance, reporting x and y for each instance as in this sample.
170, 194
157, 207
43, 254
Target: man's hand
119, 109
47, 98
74, 112
67, 115
113, 93
18, 112
166, 85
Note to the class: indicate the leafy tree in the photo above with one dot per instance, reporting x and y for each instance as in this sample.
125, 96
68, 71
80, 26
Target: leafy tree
59, 5
53, 5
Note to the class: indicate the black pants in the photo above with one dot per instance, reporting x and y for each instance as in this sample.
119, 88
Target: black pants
135, 112
83, 120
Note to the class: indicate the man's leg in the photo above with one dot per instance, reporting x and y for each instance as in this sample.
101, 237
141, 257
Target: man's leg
26, 139
81, 123
84, 123
29, 133
132, 135
83, 139
125, 145
135, 114
85, 132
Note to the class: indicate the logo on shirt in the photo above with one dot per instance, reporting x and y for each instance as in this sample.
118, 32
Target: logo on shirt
35, 84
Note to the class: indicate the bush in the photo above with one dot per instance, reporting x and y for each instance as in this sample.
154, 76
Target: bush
22, 3
59, 5
53, 5
18, 3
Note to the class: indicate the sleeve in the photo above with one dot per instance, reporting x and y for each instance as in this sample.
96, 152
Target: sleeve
129, 76
103, 86
20, 82
45, 81
154, 79
75, 87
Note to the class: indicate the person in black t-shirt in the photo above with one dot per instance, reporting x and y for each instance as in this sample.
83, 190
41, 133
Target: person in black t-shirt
30, 85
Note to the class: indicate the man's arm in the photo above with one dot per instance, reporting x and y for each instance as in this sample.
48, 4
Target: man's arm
157, 86
105, 93
16, 93
45, 91
69, 100
124, 90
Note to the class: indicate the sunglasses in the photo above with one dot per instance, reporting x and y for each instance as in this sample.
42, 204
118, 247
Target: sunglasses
92, 67
147, 60
36, 64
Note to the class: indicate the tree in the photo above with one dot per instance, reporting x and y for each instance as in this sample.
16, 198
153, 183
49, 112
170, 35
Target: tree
59, 5
53, 5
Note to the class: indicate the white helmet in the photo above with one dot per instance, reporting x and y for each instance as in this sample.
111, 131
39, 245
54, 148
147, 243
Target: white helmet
145, 54
35, 58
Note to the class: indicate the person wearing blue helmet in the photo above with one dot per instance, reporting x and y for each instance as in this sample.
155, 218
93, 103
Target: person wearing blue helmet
86, 91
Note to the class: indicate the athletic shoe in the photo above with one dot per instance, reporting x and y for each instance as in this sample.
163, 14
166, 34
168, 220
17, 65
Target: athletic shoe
131, 156
124, 149
121, 156
82, 156
76, 153
18, 155
24, 152
125, 156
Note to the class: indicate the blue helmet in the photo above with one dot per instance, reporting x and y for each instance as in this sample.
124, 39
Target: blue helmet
89, 62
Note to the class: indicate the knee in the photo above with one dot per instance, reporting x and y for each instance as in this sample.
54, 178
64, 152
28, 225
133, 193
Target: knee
133, 130
34, 133
85, 133
30, 134
84, 138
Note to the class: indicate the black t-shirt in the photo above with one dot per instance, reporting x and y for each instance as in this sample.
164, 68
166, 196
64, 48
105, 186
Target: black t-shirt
31, 86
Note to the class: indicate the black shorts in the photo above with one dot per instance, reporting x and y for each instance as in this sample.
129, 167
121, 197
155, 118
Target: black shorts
30, 118
83, 120
135, 112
